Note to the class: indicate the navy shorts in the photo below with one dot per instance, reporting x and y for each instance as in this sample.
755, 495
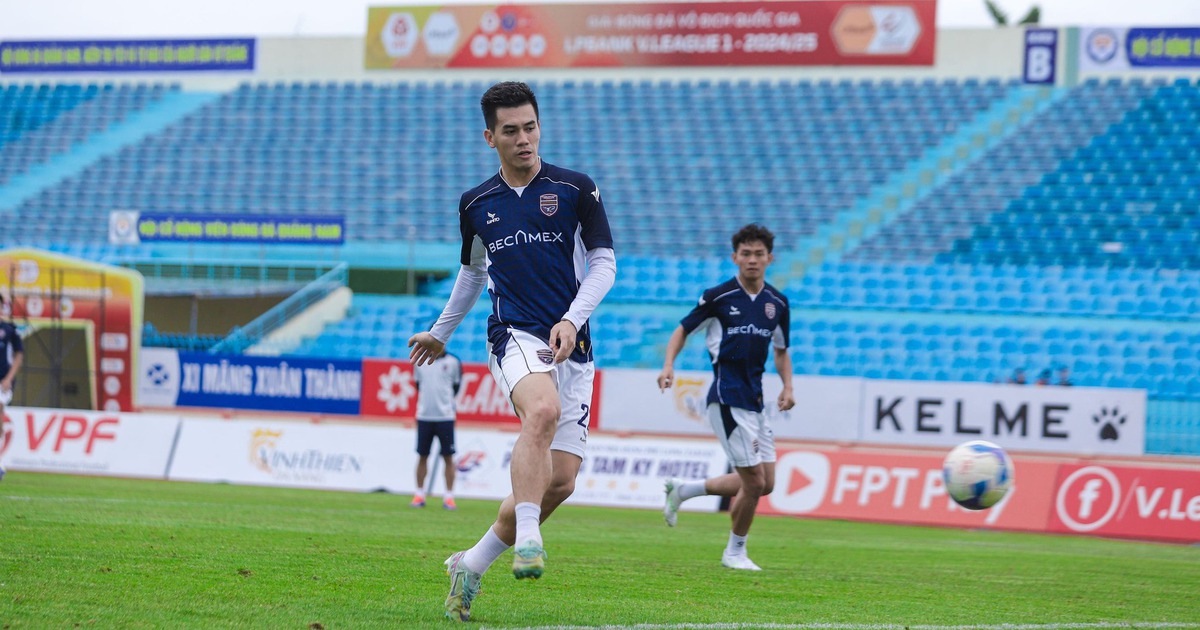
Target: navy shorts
427, 429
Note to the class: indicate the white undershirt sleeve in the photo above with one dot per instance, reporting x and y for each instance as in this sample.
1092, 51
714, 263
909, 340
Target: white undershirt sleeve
468, 286
597, 280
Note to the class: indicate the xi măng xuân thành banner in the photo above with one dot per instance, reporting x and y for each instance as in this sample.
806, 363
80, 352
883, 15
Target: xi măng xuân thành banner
810, 33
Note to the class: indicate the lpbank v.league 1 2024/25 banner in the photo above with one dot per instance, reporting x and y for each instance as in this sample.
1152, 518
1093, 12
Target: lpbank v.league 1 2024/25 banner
814, 32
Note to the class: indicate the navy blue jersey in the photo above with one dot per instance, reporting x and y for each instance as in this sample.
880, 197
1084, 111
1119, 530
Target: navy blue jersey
533, 245
10, 344
740, 332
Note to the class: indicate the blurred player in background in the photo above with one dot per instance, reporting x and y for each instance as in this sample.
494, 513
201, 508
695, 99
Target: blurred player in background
437, 385
744, 319
536, 235
12, 354
1064, 377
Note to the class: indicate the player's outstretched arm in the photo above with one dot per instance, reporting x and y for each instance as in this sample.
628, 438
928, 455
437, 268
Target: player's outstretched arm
468, 286
783, 365
597, 280
424, 348
666, 377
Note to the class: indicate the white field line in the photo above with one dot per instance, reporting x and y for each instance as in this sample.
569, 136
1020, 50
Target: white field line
868, 627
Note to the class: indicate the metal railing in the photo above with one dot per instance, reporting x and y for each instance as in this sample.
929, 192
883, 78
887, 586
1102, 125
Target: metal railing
242, 337
244, 270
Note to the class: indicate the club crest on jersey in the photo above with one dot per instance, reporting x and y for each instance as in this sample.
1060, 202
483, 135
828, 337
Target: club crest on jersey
546, 356
769, 309
548, 203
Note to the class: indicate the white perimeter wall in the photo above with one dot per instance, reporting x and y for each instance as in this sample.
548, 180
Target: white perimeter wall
960, 53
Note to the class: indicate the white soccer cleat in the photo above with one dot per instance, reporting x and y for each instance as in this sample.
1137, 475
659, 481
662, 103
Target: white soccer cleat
740, 561
464, 586
529, 561
671, 506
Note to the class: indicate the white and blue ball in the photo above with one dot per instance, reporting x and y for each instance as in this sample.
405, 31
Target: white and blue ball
977, 474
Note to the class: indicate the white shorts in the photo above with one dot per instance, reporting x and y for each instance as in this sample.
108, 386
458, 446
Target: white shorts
524, 355
745, 435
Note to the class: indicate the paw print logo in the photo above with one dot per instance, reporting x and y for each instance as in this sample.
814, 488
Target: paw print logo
1108, 420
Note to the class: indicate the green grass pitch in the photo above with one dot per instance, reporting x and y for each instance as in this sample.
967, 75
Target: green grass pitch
121, 553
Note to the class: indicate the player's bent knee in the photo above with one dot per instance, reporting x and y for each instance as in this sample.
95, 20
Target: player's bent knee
540, 419
559, 491
543, 412
753, 484
565, 487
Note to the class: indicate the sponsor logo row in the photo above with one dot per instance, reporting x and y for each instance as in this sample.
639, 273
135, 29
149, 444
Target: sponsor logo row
1083, 420
1142, 502
895, 486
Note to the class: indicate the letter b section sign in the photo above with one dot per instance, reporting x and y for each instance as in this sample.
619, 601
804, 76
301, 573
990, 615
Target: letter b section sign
1041, 51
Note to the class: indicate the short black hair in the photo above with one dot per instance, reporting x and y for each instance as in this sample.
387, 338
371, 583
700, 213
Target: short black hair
505, 94
754, 232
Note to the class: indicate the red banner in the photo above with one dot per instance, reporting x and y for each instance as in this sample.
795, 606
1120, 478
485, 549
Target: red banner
1142, 503
388, 391
809, 33
873, 486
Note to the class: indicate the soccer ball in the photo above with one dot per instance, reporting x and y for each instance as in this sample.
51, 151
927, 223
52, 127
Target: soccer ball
977, 474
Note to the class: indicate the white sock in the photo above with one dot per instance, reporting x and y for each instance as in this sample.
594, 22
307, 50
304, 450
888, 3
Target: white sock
480, 557
736, 545
691, 489
449, 496
528, 528
419, 495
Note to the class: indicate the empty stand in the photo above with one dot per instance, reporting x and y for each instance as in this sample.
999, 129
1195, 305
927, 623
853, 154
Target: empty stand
1073, 242
393, 158
38, 122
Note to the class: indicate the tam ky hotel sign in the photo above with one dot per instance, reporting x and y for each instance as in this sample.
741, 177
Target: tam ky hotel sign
812, 33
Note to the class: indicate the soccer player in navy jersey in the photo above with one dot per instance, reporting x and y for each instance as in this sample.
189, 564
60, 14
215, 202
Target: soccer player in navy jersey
745, 320
12, 354
537, 237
